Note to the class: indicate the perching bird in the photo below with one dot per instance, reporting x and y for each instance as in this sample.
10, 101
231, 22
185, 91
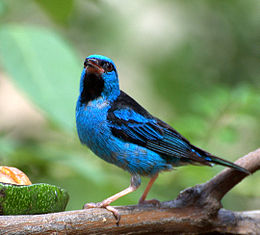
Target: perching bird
120, 131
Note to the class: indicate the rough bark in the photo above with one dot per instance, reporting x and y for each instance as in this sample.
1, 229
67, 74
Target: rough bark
196, 210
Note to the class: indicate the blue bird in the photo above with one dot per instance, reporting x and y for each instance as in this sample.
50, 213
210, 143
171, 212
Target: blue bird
120, 131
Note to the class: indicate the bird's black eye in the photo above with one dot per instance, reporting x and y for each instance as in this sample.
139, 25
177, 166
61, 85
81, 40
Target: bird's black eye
109, 67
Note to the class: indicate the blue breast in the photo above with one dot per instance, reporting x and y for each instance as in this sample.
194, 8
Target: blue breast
94, 131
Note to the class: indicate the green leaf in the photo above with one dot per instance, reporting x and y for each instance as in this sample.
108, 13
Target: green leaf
59, 11
45, 67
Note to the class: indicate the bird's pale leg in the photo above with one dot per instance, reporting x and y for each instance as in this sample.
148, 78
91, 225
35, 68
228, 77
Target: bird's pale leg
146, 191
135, 183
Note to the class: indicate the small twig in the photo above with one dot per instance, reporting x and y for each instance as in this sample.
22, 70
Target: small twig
210, 193
228, 178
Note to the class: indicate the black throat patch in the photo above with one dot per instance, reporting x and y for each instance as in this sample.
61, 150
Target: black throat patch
93, 86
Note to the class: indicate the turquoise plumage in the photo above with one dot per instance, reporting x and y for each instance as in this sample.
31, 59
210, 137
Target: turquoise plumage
118, 130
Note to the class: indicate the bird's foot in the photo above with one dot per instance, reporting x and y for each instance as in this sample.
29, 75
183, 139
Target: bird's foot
154, 202
107, 207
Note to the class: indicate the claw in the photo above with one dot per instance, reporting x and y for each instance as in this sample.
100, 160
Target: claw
107, 207
115, 213
92, 205
154, 202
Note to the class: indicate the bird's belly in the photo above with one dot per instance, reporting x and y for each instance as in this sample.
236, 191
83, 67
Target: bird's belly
93, 131
137, 159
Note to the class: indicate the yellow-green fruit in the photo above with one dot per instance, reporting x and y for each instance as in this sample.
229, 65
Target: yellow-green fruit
31, 199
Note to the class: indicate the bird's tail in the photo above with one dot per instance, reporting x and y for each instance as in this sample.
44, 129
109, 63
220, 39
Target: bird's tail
213, 159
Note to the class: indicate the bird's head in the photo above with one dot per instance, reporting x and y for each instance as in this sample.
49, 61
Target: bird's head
99, 78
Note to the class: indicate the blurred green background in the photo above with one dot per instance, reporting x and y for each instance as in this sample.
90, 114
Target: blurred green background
195, 64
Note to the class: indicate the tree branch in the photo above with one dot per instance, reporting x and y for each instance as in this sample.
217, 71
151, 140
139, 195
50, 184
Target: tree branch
196, 210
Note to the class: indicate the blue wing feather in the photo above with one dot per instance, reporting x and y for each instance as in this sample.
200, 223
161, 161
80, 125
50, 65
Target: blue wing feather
131, 123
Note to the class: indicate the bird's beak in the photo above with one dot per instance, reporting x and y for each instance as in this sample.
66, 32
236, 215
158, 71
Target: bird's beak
93, 67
